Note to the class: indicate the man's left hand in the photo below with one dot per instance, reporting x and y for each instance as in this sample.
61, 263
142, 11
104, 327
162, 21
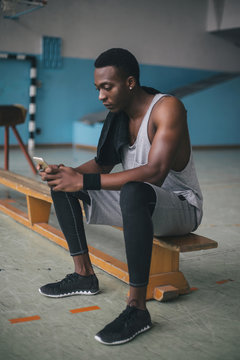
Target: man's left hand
66, 179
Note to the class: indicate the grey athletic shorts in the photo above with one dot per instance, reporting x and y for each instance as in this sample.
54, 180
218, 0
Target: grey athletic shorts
172, 215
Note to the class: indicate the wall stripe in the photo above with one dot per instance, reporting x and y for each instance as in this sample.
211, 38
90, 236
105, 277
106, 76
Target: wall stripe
32, 92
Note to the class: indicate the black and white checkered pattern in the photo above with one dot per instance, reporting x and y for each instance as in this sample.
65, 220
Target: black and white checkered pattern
32, 92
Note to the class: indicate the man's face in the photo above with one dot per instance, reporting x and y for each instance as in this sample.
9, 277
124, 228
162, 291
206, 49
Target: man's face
113, 88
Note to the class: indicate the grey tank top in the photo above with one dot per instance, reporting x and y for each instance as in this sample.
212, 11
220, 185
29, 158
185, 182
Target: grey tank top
183, 182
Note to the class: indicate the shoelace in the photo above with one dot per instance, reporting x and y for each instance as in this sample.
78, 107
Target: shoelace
69, 278
126, 315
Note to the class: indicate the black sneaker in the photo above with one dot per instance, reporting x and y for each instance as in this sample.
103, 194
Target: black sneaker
72, 284
125, 327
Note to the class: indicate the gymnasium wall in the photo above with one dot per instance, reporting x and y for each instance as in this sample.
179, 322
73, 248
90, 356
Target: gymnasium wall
214, 114
168, 38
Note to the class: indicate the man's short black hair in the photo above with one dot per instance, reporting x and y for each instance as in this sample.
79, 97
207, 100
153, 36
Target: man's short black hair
120, 58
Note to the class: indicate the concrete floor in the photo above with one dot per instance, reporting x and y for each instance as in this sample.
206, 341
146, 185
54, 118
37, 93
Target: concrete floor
202, 325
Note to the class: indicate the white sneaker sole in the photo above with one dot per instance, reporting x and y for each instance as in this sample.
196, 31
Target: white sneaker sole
125, 340
70, 294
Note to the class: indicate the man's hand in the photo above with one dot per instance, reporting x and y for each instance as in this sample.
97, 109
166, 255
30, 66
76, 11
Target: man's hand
62, 178
51, 169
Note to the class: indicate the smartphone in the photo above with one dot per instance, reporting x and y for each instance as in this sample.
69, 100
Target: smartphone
40, 162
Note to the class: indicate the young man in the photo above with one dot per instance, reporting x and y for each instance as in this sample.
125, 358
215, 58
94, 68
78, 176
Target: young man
156, 193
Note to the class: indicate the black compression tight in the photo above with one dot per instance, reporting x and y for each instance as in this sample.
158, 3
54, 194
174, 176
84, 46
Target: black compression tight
137, 202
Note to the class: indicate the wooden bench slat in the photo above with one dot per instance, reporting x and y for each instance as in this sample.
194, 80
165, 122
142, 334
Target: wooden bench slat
186, 243
25, 185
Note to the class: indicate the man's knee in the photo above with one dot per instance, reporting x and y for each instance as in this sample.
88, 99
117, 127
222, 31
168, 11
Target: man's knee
132, 195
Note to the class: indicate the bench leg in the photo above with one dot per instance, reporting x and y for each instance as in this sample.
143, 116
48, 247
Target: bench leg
38, 210
165, 293
164, 272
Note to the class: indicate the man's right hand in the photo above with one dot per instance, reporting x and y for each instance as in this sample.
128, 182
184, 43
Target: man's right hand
51, 169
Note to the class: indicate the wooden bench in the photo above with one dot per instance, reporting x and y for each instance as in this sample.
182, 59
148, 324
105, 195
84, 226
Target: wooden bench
165, 281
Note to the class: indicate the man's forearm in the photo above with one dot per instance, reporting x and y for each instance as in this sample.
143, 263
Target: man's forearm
145, 173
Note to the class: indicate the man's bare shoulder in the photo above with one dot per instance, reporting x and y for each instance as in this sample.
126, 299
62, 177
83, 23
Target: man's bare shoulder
169, 104
168, 108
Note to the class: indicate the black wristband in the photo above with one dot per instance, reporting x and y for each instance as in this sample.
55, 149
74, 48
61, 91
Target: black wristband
91, 182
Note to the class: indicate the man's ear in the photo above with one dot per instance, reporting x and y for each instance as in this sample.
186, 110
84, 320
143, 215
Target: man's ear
131, 82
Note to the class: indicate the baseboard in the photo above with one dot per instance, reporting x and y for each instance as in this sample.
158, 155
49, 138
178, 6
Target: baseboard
94, 148
86, 147
195, 147
61, 145
216, 147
